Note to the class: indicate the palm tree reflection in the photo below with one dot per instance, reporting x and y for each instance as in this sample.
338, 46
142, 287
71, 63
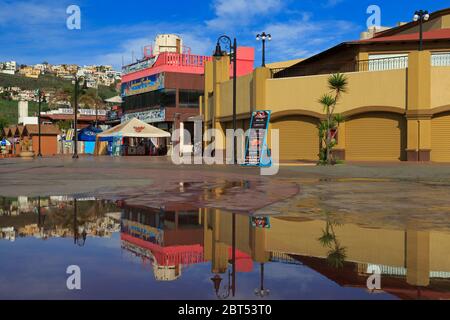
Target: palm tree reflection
337, 254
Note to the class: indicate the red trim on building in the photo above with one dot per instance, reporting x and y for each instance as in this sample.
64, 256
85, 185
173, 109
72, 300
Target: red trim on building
439, 34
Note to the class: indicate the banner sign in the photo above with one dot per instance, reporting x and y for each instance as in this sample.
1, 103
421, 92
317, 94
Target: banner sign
142, 85
150, 116
256, 149
139, 66
143, 232
260, 222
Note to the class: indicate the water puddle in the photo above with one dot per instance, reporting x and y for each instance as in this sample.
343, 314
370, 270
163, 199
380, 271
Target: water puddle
126, 250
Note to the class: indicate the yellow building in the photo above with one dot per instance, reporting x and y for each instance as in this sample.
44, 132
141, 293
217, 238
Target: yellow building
30, 72
397, 107
407, 258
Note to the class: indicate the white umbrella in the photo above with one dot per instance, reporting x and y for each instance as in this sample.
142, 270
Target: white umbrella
116, 99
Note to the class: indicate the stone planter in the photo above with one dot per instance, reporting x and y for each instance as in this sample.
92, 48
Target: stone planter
27, 154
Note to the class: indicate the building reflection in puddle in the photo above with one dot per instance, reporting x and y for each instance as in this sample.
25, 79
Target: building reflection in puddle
414, 264
57, 217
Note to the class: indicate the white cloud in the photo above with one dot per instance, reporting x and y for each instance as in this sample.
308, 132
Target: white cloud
31, 13
331, 3
239, 13
304, 37
37, 32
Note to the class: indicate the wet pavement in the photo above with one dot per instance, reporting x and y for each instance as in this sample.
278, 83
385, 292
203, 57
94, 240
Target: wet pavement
127, 250
146, 229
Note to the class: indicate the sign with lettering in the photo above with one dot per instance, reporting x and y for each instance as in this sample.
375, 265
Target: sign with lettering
139, 65
260, 222
150, 116
142, 85
256, 150
143, 232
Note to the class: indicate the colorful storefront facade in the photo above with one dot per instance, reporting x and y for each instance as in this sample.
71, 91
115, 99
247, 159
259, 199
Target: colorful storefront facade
397, 107
164, 89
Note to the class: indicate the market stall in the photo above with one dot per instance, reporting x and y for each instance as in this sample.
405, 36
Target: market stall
132, 138
88, 136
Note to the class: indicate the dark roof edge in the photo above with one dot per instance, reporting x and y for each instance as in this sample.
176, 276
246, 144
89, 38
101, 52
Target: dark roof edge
392, 31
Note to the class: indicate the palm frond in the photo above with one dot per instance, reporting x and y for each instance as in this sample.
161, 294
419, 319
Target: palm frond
339, 118
326, 239
338, 82
327, 100
336, 258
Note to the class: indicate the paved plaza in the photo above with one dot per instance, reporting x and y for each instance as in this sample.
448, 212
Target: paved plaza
357, 192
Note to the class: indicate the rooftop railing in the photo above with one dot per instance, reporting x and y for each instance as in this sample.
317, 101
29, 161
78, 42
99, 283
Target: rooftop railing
168, 59
392, 63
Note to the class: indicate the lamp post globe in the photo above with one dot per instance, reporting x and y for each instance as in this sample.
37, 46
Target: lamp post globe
263, 37
421, 16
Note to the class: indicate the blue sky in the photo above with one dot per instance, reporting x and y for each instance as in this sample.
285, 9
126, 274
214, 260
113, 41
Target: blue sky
35, 31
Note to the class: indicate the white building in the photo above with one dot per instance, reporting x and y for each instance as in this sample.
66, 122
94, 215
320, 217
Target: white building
8, 67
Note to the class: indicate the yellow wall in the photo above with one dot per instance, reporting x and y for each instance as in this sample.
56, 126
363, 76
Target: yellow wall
414, 91
428, 250
419, 80
363, 245
244, 95
380, 88
440, 86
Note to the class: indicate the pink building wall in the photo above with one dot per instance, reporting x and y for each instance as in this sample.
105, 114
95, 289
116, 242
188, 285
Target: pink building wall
246, 61
193, 64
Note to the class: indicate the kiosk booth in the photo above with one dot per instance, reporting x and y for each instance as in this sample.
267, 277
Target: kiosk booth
88, 136
132, 138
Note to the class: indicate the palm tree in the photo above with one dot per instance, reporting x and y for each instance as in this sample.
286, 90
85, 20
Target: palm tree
338, 84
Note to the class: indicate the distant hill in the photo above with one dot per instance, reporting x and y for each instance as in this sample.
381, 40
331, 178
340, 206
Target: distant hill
9, 109
43, 82
48, 82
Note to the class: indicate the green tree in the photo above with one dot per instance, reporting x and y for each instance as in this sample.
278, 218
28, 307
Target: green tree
3, 123
338, 84
64, 125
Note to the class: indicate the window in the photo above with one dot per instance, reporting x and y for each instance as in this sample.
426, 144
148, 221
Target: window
148, 100
190, 98
169, 98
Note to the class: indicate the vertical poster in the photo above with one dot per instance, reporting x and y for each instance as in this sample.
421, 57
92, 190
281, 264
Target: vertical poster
117, 145
256, 149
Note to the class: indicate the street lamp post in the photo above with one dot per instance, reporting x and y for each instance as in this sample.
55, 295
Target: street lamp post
230, 287
261, 292
421, 16
263, 37
77, 82
233, 56
41, 99
77, 240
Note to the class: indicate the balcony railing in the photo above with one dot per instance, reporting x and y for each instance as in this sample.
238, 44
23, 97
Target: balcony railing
393, 63
168, 59
440, 59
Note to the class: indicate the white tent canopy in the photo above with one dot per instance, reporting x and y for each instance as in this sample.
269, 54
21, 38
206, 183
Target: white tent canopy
135, 128
116, 99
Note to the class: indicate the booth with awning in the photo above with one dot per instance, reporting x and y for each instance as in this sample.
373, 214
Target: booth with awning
132, 138
88, 136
